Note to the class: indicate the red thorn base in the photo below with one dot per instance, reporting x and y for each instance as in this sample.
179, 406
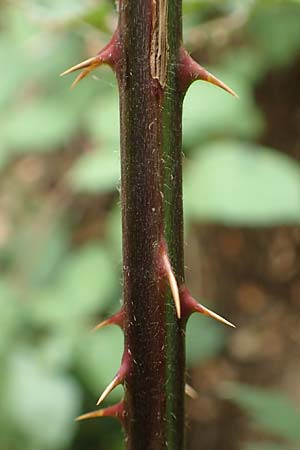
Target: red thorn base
191, 71
189, 306
119, 378
116, 411
108, 55
116, 319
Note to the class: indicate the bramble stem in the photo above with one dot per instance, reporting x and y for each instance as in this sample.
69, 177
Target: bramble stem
151, 194
153, 73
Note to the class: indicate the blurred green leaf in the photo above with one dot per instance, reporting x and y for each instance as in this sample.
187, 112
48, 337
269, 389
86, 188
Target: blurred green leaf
96, 171
40, 126
238, 183
99, 170
270, 410
204, 339
10, 315
209, 111
103, 119
267, 447
87, 282
274, 29
59, 12
98, 359
39, 264
52, 400
97, 17
114, 234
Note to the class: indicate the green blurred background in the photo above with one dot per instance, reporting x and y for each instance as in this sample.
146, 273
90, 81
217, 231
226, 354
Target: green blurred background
60, 241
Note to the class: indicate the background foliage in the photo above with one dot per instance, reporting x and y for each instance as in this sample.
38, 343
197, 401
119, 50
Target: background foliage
60, 247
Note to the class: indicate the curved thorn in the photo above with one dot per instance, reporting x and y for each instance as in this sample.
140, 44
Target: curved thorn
190, 392
190, 70
88, 65
116, 411
116, 319
102, 324
81, 76
112, 385
204, 75
108, 55
190, 305
95, 61
120, 377
172, 283
91, 415
207, 312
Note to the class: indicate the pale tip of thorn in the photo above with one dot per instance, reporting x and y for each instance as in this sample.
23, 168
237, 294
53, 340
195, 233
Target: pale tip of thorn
214, 80
81, 76
100, 325
114, 383
90, 415
216, 316
173, 284
82, 65
190, 392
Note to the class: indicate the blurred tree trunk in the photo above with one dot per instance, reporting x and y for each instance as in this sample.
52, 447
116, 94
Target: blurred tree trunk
253, 277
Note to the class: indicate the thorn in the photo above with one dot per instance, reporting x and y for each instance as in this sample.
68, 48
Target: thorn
117, 411
112, 385
108, 55
116, 319
204, 75
190, 392
89, 65
190, 305
191, 71
207, 312
95, 61
91, 415
172, 282
119, 378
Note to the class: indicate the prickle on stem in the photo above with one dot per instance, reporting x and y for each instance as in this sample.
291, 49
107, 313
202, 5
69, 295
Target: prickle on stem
189, 306
112, 385
119, 378
108, 55
88, 65
172, 281
117, 411
116, 319
190, 392
190, 71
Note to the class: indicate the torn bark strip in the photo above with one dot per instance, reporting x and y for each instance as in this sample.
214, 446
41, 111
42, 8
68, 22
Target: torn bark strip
159, 54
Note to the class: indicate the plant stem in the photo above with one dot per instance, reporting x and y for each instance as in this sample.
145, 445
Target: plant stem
153, 72
151, 193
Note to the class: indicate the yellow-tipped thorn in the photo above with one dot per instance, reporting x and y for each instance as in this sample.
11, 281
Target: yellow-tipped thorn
83, 65
117, 411
173, 284
116, 319
80, 77
90, 415
190, 392
214, 80
102, 324
191, 71
114, 383
213, 315
88, 65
